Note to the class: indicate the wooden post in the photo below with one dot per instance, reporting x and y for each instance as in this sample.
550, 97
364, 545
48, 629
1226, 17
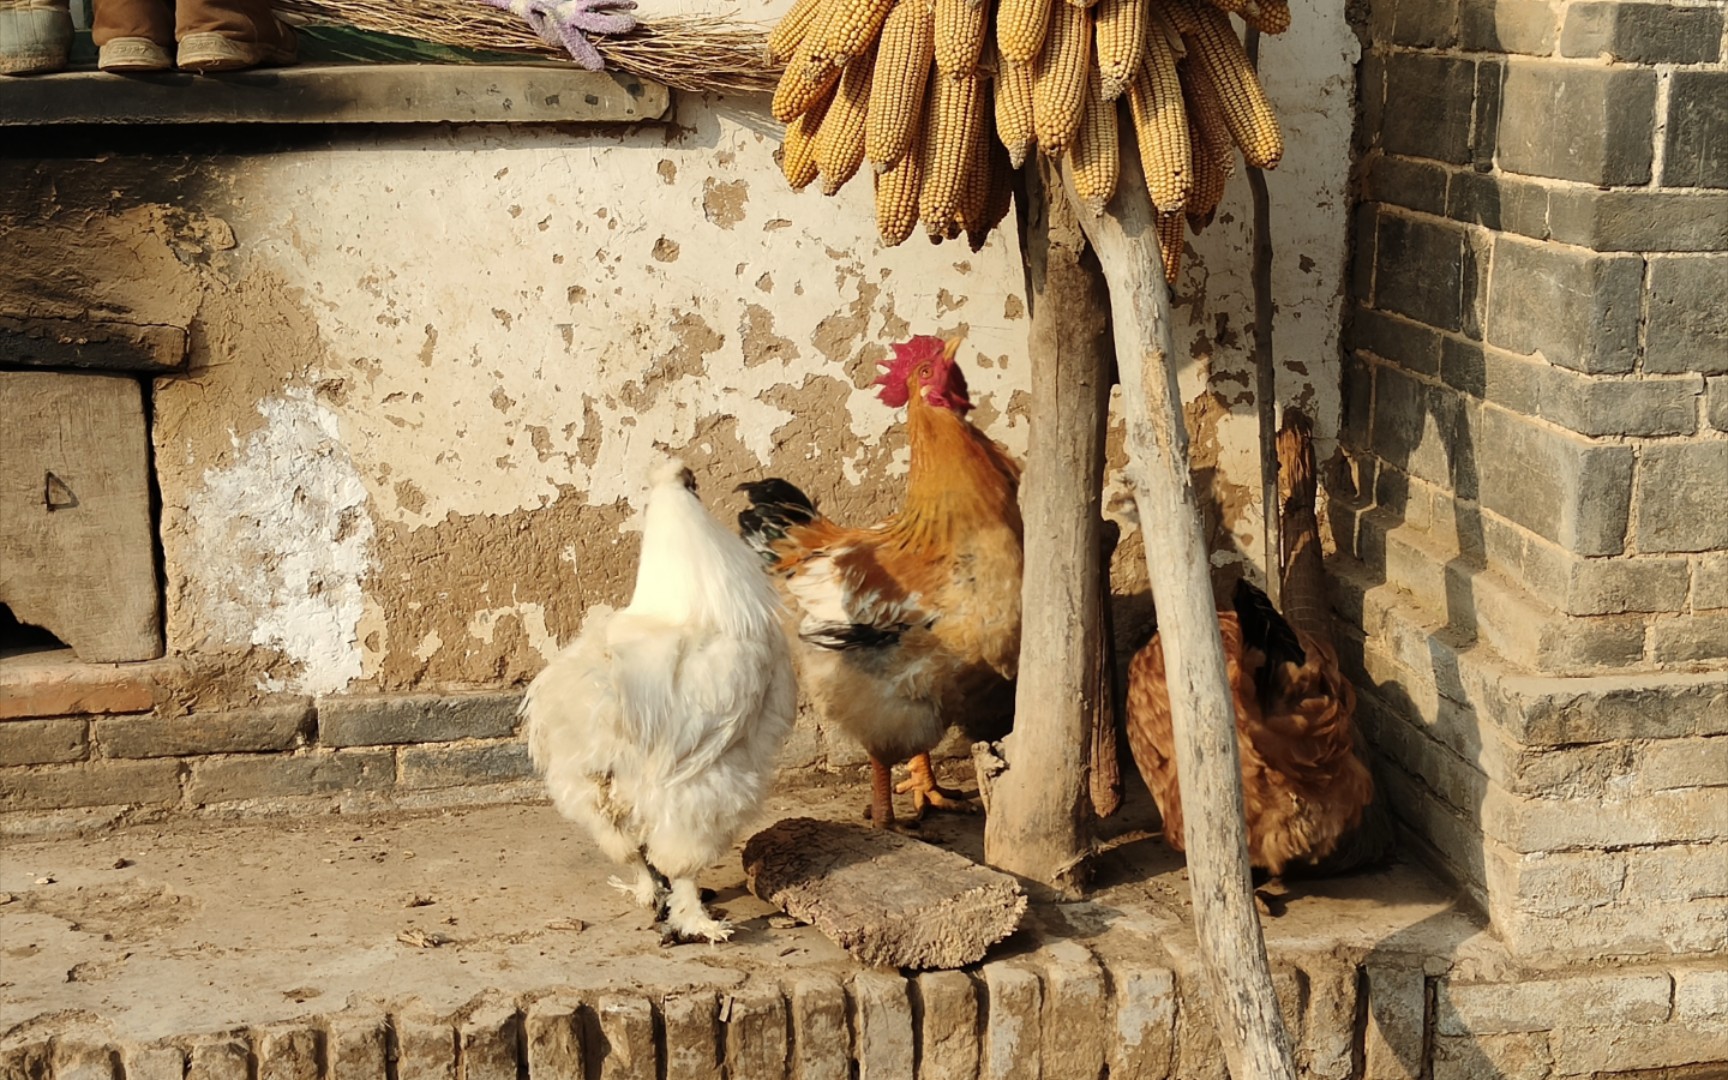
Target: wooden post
1232, 949
1265, 372
1040, 807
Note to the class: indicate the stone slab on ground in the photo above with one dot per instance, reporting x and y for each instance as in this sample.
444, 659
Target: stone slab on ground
886, 899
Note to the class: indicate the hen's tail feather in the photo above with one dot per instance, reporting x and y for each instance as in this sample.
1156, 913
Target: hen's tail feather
775, 506
1264, 629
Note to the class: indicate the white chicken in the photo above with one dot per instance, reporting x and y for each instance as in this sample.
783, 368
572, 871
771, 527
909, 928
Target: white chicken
658, 727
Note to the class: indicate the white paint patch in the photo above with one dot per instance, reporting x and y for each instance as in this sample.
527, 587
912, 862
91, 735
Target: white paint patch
484, 624
282, 540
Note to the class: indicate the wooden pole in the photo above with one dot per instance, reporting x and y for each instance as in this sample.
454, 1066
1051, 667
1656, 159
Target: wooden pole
1040, 808
1232, 949
1265, 373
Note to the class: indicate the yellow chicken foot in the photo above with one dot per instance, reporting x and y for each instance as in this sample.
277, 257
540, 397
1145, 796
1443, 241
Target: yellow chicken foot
921, 785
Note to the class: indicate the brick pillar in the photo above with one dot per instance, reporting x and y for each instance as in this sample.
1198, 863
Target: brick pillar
1536, 391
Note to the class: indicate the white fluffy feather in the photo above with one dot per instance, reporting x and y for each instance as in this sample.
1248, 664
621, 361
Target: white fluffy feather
658, 727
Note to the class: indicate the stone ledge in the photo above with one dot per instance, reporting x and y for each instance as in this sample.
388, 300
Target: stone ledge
55, 683
339, 94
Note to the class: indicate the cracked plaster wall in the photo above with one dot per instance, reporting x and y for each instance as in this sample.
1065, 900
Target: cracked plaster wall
429, 366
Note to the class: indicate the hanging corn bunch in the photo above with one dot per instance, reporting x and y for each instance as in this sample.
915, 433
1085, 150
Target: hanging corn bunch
931, 92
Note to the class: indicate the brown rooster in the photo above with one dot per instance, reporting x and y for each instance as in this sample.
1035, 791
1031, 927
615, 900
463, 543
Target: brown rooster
1303, 783
914, 623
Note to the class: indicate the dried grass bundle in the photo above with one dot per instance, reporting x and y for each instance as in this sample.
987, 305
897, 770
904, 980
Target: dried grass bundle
687, 52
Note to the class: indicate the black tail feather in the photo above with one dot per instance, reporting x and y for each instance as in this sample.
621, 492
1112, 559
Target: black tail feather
1264, 629
775, 506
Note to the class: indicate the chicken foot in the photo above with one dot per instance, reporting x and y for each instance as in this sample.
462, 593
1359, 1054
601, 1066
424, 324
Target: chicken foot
684, 918
650, 887
881, 808
926, 792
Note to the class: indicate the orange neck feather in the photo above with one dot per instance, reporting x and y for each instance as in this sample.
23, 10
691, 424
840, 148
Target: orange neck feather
957, 475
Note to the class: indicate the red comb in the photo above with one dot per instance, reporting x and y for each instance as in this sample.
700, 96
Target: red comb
907, 355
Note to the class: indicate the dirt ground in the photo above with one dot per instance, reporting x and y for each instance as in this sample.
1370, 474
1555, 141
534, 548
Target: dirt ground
193, 927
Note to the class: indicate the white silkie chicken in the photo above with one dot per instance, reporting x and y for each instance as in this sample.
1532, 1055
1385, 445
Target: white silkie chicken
658, 728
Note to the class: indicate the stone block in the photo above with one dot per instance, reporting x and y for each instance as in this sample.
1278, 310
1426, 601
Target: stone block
884, 1024
43, 742
1551, 883
1716, 403
95, 783
1659, 817
1364, 230
1013, 1025
75, 1058
1615, 586
1541, 710
1623, 1050
1397, 1023
1690, 638
165, 1061
1329, 1029
1576, 309
243, 731
1508, 26
1434, 96
487, 1038
1485, 113
1710, 582
756, 1039
1571, 491
690, 1023
821, 1036
1701, 997
1594, 125
463, 764
425, 1045
1636, 220
1697, 142
384, 719
1419, 270
552, 1031
1410, 345
1144, 1036
1199, 1053
1596, 998
948, 1024
316, 772
1424, 430
1643, 33
1679, 873
1408, 182
1521, 1056
1075, 1007
1687, 323
624, 1026
1682, 488
76, 690
357, 1047
287, 1052
1682, 763
222, 1058
1608, 407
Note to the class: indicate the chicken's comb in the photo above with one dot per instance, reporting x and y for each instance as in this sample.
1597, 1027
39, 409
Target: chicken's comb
907, 355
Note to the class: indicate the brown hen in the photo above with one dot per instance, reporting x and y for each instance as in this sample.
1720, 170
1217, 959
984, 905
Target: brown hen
1304, 784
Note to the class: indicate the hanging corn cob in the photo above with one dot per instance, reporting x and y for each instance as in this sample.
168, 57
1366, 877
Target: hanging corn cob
944, 117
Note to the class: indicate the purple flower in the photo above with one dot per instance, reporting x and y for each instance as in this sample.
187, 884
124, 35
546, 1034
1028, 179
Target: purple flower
563, 22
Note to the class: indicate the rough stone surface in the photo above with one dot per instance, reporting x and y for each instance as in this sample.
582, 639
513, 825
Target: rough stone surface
1537, 1004
1516, 1056
488, 1039
1710, 581
691, 1035
1575, 309
756, 1040
1643, 33
289, 1052
1012, 1026
1433, 96
1571, 491
62, 689
1682, 488
366, 720
1545, 711
1408, 182
1629, 1050
168, 1062
1143, 1038
1688, 326
42, 742
218, 1059
246, 731
1690, 638
1717, 405
887, 900
1327, 1051
625, 1026
1578, 123
1631, 219
1075, 1008
884, 1025
552, 1037
465, 763
76, 1059
1697, 150
316, 772
358, 1046
1614, 586
1512, 26
96, 783
821, 1035
948, 1024
425, 1045
1419, 270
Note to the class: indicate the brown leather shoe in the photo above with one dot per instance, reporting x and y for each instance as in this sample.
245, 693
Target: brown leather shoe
228, 35
133, 35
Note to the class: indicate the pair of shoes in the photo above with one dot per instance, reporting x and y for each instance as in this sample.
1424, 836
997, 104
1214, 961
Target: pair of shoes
35, 36
213, 35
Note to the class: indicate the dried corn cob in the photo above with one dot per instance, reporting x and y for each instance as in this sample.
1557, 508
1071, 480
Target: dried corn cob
805, 80
790, 30
897, 189
1267, 16
1059, 78
1083, 3
851, 30
975, 194
1014, 111
1232, 6
1215, 48
953, 122
960, 26
1094, 155
840, 140
903, 55
1021, 26
1169, 229
798, 149
999, 200
1120, 38
1161, 125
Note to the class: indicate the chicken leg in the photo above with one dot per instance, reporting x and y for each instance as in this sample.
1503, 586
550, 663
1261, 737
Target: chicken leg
881, 809
925, 792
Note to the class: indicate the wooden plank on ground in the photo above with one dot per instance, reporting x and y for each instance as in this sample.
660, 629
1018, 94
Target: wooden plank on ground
886, 899
91, 343
77, 553
339, 94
